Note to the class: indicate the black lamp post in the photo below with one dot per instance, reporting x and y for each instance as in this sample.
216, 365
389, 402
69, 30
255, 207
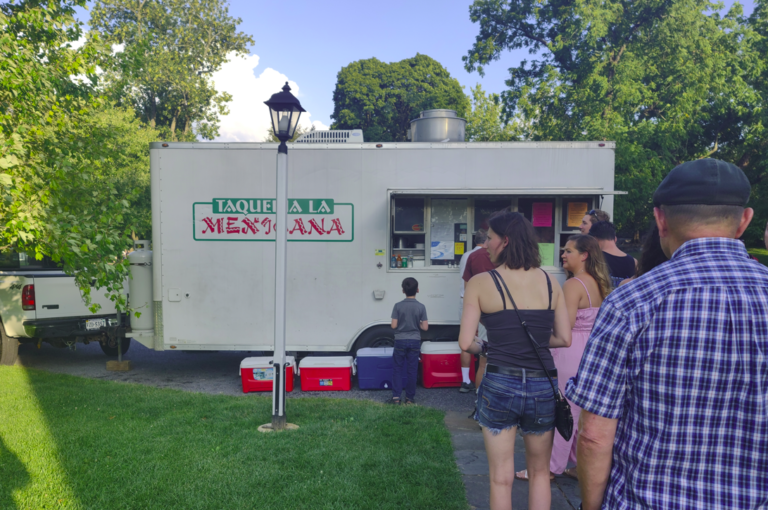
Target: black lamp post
285, 110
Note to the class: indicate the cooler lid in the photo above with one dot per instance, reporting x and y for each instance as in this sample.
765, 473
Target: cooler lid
375, 352
264, 362
440, 348
326, 362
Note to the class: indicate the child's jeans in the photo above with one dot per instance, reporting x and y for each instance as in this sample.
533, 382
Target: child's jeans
406, 353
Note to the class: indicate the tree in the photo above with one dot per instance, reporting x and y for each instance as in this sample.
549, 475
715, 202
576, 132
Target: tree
658, 77
382, 99
58, 149
171, 49
485, 122
271, 138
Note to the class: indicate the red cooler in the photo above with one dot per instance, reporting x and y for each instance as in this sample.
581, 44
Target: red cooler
257, 373
441, 365
320, 373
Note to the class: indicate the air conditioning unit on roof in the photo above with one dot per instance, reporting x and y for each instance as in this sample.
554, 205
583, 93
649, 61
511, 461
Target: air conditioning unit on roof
332, 136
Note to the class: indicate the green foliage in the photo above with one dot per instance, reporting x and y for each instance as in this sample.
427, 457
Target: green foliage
65, 155
171, 49
271, 138
669, 81
485, 122
382, 99
73, 443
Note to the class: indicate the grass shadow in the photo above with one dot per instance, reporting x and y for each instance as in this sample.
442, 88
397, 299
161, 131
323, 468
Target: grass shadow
13, 476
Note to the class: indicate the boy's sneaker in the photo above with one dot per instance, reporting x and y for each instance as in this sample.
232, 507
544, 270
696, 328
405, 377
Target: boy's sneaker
466, 387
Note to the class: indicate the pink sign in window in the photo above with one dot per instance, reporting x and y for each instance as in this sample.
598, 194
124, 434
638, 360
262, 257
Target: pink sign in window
542, 214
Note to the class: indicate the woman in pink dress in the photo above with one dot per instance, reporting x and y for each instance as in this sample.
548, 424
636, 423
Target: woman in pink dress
588, 284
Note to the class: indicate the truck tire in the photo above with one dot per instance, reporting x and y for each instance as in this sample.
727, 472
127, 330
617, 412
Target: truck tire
9, 348
109, 346
377, 336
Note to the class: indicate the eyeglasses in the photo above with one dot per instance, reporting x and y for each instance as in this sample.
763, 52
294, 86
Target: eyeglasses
592, 212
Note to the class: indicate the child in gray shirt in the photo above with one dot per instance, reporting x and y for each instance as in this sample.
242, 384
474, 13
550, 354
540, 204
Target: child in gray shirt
409, 318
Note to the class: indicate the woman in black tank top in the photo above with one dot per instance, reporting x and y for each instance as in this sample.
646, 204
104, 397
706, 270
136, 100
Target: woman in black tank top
516, 392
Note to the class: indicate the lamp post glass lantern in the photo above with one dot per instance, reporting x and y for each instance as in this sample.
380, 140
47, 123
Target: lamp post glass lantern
285, 111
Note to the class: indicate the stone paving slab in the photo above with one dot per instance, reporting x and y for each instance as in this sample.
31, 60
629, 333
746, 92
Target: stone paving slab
469, 450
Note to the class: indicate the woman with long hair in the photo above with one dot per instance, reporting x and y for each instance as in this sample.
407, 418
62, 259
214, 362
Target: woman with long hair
515, 392
589, 282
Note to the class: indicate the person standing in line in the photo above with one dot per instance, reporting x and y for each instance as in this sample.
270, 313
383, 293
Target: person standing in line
477, 263
652, 255
621, 265
467, 384
592, 217
672, 385
515, 392
588, 284
409, 318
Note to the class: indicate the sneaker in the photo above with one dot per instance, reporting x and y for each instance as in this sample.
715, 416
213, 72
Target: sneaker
466, 387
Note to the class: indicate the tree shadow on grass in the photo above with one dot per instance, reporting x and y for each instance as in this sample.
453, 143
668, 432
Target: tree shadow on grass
13, 475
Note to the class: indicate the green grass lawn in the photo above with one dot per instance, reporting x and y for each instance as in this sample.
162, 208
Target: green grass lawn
761, 254
69, 442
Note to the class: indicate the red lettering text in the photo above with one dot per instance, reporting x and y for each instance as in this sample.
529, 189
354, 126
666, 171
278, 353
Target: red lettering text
317, 228
266, 222
298, 224
230, 228
212, 228
250, 225
336, 227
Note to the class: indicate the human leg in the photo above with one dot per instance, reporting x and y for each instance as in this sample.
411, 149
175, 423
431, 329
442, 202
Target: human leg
466, 359
500, 449
412, 361
398, 360
538, 449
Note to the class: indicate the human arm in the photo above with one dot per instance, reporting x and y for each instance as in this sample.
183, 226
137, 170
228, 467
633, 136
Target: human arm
424, 325
561, 330
594, 456
470, 318
394, 323
572, 290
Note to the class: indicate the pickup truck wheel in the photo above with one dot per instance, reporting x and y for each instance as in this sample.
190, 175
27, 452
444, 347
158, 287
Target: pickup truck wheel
109, 346
9, 348
377, 336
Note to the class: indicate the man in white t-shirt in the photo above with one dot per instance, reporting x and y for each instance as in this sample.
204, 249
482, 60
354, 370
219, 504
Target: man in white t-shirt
481, 237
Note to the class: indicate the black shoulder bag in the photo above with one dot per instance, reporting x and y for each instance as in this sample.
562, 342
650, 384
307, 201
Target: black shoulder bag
563, 416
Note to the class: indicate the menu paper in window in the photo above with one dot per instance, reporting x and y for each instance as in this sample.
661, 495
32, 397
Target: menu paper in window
576, 211
542, 214
458, 248
442, 250
547, 251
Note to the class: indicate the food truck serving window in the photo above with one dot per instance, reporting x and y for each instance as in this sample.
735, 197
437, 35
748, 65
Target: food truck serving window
432, 230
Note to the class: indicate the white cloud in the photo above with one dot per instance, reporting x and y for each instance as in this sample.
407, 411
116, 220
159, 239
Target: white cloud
248, 119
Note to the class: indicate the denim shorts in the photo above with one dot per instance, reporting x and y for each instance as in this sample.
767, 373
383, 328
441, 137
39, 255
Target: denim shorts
505, 401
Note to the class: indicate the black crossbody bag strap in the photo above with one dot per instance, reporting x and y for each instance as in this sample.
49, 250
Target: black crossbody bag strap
496, 277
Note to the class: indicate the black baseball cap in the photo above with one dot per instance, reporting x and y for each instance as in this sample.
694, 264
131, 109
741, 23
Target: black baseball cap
705, 182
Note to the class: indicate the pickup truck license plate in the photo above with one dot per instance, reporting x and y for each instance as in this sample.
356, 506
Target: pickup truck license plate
95, 324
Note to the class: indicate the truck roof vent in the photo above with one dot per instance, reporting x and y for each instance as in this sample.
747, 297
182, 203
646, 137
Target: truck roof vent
332, 136
437, 126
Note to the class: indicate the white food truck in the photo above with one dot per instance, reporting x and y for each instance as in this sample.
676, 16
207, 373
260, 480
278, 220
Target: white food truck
356, 212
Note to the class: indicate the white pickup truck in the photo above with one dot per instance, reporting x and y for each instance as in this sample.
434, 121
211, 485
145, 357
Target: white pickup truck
41, 303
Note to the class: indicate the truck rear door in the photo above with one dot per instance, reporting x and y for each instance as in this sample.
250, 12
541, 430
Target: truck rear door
58, 296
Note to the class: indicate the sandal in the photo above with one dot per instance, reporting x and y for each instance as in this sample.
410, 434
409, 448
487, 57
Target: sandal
394, 401
409, 402
571, 473
523, 475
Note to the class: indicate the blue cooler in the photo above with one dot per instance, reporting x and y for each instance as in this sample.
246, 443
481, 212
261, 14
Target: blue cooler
374, 368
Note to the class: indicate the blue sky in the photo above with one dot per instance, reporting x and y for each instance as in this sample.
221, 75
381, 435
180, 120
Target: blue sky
308, 42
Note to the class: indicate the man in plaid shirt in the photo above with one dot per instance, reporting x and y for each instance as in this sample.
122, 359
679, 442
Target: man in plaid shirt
674, 380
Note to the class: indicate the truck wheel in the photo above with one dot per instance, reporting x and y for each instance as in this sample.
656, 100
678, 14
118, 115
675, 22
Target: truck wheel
109, 346
377, 336
9, 348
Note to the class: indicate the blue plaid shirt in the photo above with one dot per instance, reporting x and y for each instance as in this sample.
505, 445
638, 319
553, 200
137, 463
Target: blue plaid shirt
680, 357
